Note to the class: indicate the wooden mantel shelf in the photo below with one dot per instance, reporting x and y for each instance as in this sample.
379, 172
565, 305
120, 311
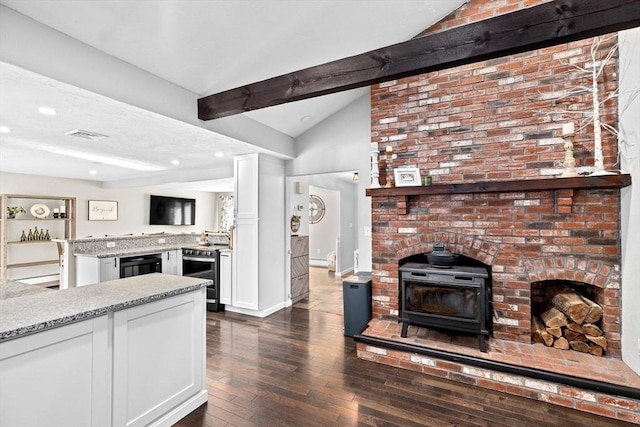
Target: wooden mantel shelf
580, 182
541, 184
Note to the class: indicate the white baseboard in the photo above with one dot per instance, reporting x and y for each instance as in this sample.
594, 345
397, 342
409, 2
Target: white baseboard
318, 263
347, 272
257, 313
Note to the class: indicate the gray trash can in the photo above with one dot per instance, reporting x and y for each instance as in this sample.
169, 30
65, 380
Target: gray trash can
356, 300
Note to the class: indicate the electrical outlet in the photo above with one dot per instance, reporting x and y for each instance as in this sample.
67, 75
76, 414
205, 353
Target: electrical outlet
111, 244
161, 240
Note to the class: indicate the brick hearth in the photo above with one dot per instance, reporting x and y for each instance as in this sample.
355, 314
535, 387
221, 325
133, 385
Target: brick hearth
537, 356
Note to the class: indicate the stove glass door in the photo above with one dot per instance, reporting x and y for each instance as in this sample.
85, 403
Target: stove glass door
443, 300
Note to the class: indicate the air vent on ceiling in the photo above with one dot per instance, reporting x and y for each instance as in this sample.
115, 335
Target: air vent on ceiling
85, 134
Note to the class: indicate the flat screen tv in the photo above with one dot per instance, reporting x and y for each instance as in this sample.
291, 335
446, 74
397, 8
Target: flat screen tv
172, 211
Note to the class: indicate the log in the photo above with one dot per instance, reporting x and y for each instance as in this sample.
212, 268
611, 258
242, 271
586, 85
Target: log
580, 337
595, 311
601, 341
596, 350
561, 343
579, 346
591, 329
539, 333
570, 335
572, 326
556, 332
554, 318
568, 301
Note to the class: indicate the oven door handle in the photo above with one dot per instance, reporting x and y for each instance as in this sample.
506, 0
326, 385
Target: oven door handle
198, 259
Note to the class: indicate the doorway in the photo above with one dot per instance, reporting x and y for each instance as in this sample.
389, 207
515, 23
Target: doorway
329, 219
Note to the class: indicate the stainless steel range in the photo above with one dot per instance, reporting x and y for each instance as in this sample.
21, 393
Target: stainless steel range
204, 263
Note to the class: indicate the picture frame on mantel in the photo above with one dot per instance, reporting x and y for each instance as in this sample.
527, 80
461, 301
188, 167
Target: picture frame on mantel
407, 177
103, 210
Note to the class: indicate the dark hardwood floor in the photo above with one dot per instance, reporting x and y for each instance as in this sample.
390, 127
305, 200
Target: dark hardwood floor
295, 368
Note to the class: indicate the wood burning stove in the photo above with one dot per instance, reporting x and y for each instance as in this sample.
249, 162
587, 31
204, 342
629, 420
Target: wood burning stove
455, 299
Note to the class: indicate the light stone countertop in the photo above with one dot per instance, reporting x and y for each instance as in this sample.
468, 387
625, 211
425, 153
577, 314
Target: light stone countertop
119, 252
25, 310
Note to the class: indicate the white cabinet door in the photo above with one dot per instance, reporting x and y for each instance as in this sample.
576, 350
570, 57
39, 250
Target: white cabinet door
91, 270
225, 277
159, 359
109, 269
59, 377
245, 197
245, 286
171, 262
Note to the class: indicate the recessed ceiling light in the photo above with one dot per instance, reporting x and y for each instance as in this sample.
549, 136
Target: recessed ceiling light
219, 154
47, 111
175, 162
5, 129
306, 119
92, 172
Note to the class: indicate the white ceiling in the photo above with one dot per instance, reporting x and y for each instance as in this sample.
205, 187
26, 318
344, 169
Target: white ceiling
204, 46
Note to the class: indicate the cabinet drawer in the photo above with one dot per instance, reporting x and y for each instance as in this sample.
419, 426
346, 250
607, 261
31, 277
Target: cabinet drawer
299, 288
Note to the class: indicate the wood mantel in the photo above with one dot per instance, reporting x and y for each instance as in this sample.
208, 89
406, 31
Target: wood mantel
540, 184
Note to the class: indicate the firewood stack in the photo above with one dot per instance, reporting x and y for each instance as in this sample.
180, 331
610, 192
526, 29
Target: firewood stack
570, 322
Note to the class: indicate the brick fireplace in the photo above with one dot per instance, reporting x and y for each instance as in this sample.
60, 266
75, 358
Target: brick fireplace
524, 237
484, 135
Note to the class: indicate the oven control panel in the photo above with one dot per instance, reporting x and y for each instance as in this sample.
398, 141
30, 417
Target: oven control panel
200, 252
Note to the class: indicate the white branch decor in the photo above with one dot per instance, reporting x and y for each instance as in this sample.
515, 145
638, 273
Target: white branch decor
590, 72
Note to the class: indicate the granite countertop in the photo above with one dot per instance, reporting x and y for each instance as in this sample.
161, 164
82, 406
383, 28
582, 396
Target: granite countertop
111, 252
12, 289
118, 252
26, 309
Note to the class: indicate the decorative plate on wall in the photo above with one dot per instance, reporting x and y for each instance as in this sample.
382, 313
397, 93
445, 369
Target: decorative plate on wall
316, 209
40, 211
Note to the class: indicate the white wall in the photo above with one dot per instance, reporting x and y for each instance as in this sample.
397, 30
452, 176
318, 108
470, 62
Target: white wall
342, 143
629, 82
133, 204
323, 234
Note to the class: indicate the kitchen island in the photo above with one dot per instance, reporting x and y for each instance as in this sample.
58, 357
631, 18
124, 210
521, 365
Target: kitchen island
126, 352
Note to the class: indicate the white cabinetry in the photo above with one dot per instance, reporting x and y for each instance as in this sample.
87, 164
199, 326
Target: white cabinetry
226, 265
158, 359
258, 285
91, 270
59, 377
109, 269
141, 366
172, 262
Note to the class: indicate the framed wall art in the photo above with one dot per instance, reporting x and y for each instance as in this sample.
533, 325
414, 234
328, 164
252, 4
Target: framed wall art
407, 177
103, 210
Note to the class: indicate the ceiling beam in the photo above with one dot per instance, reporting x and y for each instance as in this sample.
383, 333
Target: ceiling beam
548, 24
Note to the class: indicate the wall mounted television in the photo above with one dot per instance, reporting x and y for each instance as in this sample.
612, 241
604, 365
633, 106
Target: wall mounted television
172, 211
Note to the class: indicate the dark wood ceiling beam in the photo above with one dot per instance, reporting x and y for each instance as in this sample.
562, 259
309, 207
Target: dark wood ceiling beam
544, 25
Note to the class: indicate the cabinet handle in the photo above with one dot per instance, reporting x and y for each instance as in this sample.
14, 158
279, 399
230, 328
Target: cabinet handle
115, 262
168, 256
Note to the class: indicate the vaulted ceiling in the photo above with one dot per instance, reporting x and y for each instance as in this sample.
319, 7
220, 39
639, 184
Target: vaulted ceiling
193, 48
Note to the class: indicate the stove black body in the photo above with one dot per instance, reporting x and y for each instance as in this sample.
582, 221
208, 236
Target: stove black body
456, 298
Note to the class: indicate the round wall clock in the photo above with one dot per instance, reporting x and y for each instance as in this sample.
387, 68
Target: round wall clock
316, 209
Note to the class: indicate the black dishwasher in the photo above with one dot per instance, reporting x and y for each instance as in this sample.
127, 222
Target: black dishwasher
141, 264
